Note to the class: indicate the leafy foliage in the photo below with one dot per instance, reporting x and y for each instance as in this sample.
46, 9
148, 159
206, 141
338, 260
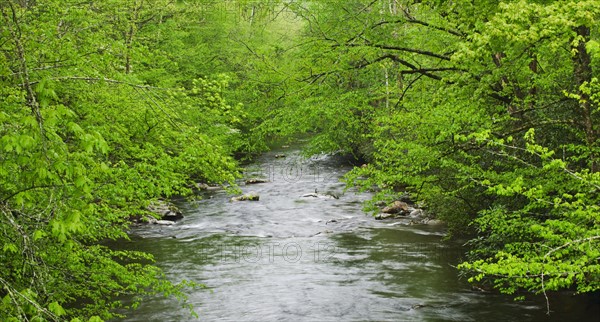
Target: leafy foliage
487, 114
91, 131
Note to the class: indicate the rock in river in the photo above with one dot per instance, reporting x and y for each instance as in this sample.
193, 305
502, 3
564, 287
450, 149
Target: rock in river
256, 180
252, 196
434, 222
201, 186
164, 222
417, 213
320, 195
382, 216
165, 210
397, 208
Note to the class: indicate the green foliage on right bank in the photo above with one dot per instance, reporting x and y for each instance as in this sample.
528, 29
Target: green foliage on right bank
487, 114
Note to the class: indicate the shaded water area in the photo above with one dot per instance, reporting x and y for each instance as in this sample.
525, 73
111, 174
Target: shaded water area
293, 258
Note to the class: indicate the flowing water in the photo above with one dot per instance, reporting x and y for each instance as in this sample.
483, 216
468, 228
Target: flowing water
293, 258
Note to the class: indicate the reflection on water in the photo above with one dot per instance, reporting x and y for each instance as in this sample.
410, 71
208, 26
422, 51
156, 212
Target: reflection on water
283, 258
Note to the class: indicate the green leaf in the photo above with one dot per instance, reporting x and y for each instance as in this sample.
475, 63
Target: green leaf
56, 308
38, 234
10, 248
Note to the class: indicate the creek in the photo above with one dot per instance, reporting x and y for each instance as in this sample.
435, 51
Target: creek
293, 258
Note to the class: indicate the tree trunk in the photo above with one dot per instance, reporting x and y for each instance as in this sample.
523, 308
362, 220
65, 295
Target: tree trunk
15, 32
583, 74
130, 34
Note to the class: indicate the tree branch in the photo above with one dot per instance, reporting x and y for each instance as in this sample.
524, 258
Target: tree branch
412, 68
398, 48
15, 32
97, 79
411, 19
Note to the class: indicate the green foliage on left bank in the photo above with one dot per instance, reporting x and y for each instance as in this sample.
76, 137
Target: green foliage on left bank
99, 116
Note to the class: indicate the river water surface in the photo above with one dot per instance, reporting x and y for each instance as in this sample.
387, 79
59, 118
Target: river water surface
293, 258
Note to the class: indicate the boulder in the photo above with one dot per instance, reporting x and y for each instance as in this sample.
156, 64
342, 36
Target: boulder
434, 222
256, 180
206, 187
164, 222
202, 186
173, 215
251, 196
326, 231
418, 306
165, 210
417, 213
397, 207
326, 195
382, 216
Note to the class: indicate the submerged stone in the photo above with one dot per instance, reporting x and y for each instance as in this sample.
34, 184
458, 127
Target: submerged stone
250, 196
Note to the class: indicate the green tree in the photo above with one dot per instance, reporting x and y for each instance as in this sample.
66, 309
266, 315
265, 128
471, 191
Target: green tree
90, 135
487, 113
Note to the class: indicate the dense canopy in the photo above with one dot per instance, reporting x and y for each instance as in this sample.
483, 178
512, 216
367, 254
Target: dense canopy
487, 114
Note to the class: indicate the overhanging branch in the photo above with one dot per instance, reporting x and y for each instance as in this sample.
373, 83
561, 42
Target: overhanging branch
97, 79
398, 48
412, 68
